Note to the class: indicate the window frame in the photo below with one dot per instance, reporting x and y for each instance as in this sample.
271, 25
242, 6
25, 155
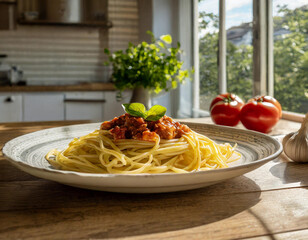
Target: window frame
263, 63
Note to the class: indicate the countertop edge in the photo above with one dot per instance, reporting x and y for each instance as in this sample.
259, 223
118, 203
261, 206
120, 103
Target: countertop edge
60, 88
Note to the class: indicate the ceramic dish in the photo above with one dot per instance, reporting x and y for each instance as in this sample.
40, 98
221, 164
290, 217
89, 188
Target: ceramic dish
27, 153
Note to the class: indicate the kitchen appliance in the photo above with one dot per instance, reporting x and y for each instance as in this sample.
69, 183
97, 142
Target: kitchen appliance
65, 11
10, 75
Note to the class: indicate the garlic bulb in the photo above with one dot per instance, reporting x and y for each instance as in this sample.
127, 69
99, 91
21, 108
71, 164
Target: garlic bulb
295, 144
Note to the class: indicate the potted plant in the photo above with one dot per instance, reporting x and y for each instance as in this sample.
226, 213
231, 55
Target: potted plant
147, 67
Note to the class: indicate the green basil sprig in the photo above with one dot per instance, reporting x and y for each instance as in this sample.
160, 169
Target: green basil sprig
138, 110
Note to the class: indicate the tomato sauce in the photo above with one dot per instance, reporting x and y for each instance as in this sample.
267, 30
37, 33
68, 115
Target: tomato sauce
129, 127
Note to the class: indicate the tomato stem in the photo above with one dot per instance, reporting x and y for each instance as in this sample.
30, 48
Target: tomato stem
228, 99
260, 99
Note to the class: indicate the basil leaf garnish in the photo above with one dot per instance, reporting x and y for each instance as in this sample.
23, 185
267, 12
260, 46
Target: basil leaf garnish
138, 110
135, 109
155, 113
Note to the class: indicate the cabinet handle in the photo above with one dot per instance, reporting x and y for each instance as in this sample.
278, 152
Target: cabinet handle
85, 100
9, 99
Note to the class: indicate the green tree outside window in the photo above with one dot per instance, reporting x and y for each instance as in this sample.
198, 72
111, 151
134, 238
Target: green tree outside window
290, 61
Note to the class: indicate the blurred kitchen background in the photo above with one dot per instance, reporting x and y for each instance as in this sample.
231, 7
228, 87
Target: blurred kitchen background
58, 42
51, 55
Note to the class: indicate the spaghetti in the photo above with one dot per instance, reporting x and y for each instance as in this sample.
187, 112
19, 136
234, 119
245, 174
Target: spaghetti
169, 147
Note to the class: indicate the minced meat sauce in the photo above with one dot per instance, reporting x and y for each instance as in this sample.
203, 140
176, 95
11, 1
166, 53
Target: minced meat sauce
129, 127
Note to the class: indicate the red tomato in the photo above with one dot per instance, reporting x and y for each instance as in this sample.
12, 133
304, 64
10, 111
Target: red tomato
270, 100
261, 113
225, 109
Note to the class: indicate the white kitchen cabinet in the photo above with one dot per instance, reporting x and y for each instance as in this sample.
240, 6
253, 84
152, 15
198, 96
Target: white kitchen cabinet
84, 106
94, 106
113, 106
43, 106
58, 106
10, 107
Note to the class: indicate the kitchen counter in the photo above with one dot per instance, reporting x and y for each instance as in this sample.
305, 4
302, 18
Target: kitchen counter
60, 88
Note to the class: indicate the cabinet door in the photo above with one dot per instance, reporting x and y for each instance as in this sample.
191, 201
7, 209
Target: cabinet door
84, 106
113, 106
44, 107
10, 108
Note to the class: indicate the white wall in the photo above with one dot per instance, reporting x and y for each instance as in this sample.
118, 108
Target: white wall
185, 93
175, 17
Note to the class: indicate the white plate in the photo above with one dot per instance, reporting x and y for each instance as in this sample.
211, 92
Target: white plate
27, 153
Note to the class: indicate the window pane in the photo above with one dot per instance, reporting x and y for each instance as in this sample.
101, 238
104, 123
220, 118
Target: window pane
208, 50
291, 55
239, 49
239, 18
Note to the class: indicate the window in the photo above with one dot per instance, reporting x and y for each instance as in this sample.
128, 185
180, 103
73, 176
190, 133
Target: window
291, 54
272, 59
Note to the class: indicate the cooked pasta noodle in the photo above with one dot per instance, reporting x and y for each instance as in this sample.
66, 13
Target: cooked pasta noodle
98, 152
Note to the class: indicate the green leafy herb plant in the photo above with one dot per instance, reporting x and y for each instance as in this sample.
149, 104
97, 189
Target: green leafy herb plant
138, 110
153, 66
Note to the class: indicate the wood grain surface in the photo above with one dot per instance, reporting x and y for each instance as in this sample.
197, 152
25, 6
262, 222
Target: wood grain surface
60, 88
267, 203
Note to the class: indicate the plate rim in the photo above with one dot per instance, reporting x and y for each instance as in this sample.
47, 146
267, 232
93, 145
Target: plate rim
15, 162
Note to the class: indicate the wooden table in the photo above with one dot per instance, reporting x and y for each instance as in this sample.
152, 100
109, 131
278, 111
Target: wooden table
268, 203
